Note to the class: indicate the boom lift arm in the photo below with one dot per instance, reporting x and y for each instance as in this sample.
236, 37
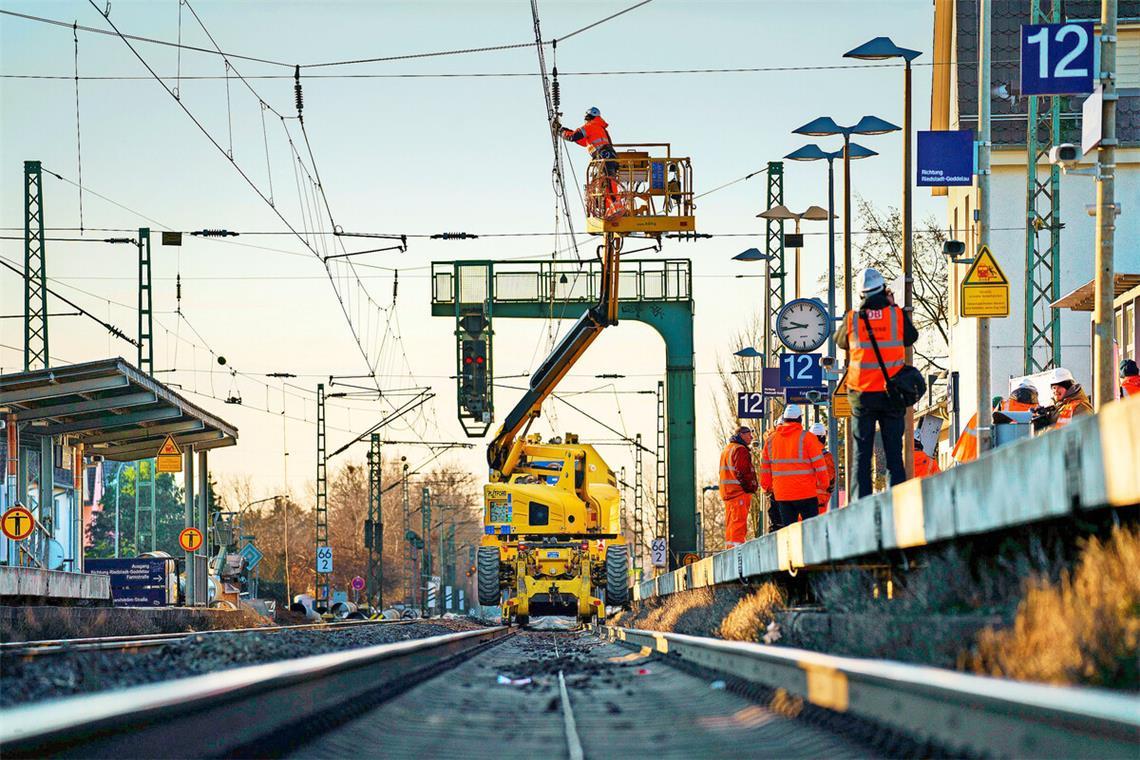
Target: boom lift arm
506, 447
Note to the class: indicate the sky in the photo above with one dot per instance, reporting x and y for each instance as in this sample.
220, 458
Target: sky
414, 155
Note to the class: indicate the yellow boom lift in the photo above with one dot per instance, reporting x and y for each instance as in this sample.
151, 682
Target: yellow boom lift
552, 536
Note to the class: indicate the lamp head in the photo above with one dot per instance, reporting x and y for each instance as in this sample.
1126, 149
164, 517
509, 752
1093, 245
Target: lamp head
820, 127
752, 254
810, 152
880, 49
873, 125
814, 213
777, 212
858, 151
748, 353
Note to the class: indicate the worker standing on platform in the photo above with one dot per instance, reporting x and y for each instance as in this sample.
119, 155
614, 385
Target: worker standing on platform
1022, 399
594, 135
877, 321
923, 465
792, 468
1129, 378
819, 430
737, 484
1070, 400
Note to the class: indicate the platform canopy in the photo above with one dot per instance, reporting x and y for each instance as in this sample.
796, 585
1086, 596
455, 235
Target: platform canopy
1083, 298
110, 407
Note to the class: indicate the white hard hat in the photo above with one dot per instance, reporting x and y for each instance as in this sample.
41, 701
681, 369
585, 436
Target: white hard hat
793, 412
1026, 383
817, 429
1060, 375
872, 281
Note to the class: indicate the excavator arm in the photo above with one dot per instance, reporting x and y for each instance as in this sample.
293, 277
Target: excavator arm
505, 448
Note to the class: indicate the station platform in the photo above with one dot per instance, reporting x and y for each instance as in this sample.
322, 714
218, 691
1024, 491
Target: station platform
33, 584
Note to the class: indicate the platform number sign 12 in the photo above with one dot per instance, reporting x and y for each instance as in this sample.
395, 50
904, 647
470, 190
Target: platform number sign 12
324, 559
659, 549
750, 406
1057, 59
800, 370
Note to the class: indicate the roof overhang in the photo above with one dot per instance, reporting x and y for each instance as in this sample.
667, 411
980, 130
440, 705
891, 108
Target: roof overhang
1082, 299
110, 407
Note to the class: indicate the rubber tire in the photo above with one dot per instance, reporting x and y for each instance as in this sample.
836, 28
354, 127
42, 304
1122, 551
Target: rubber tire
487, 563
617, 576
522, 620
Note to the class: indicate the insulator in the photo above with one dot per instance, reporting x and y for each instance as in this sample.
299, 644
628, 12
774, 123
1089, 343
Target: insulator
297, 89
556, 92
178, 287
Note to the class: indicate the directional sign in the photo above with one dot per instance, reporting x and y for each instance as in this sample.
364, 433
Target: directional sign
985, 288
169, 456
190, 539
816, 395
945, 158
750, 406
1057, 59
800, 370
324, 559
17, 523
252, 554
659, 549
358, 583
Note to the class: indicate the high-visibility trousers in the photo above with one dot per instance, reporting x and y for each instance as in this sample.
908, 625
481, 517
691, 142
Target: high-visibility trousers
736, 520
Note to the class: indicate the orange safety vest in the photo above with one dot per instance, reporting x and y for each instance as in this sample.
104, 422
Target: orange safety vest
924, 465
730, 487
596, 134
863, 373
966, 450
792, 465
1130, 386
1068, 407
829, 464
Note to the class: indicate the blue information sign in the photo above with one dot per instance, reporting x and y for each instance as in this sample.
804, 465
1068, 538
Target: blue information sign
945, 158
816, 395
750, 406
772, 385
135, 582
800, 370
1057, 59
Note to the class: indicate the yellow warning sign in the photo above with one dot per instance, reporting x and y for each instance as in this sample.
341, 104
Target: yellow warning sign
169, 456
840, 403
985, 288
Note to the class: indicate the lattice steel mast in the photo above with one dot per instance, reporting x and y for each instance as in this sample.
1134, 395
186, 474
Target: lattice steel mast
35, 271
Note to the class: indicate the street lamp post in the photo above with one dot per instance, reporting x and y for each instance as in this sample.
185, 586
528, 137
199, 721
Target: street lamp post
813, 152
813, 213
880, 49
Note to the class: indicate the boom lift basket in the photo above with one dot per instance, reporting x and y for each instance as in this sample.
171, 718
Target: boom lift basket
640, 191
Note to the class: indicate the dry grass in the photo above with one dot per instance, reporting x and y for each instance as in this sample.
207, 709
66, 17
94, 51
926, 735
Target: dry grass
1082, 629
697, 612
749, 619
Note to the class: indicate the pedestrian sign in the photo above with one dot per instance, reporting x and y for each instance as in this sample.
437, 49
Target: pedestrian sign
190, 539
17, 523
690, 558
169, 456
985, 288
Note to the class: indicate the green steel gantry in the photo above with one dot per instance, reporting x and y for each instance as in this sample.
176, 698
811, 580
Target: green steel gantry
1043, 214
374, 527
425, 553
146, 304
774, 247
35, 271
321, 586
657, 292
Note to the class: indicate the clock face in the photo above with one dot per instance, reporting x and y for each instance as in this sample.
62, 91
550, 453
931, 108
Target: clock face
802, 325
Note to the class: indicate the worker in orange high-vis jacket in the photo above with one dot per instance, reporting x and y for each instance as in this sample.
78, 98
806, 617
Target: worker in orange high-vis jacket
892, 330
792, 468
1069, 401
819, 430
923, 465
594, 135
1022, 399
1129, 378
737, 484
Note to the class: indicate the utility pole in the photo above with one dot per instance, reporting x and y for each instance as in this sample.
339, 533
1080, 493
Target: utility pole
425, 553
774, 270
908, 258
374, 527
322, 507
409, 550
146, 305
35, 271
1104, 289
985, 413
638, 503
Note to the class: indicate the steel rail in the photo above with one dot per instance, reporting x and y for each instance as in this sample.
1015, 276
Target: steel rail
142, 641
957, 711
181, 718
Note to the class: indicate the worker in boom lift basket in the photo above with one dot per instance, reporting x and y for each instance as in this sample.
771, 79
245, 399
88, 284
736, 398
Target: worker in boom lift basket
1069, 401
594, 135
792, 468
1129, 378
737, 484
820, 432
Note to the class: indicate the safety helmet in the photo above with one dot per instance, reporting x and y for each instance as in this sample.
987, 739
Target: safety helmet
817, 428
793, 412
1060, 375
743, 429
593, 112
872, 281
1025, 393
1128, 368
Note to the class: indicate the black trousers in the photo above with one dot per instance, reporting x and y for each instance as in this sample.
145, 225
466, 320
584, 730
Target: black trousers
868, 409
790, 511
774, 520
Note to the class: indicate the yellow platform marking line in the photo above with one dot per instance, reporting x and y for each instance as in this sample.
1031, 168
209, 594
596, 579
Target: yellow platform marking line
826, 687
1119, 424
641, 654
908, 514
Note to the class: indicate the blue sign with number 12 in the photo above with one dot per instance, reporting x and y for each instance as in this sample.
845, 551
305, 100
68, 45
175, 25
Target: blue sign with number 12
800, 370
1057, 59
750, 406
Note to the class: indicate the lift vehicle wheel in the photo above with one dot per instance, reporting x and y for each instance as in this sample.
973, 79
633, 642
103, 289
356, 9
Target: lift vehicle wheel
487, 565
617, 576
522, 620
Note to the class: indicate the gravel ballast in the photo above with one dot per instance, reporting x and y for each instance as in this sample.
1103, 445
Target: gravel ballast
46, 677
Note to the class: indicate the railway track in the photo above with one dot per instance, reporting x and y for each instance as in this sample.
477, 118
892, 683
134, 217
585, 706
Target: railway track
43, 647
499, 692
